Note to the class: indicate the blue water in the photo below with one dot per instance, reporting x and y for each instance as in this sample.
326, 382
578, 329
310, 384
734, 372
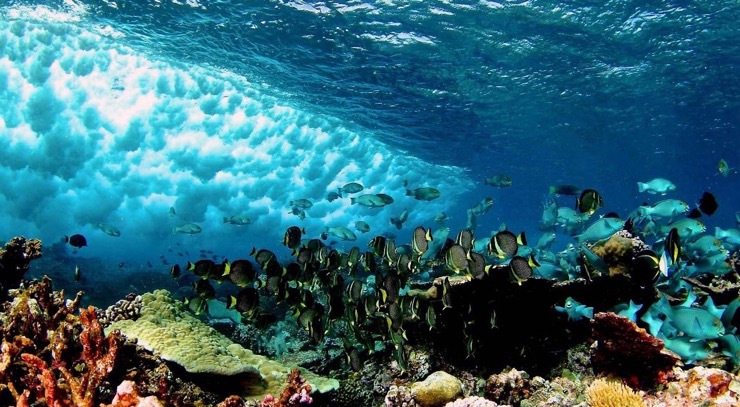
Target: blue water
444, 94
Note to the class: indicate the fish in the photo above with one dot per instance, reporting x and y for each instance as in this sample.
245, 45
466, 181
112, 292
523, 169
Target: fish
589, 201
441, 217
482, 207
667, 208
601, 229
476, 264
431, 317
456, 259
446, 294
472, 221
197, 305
564, 189
109, 230
378, 245
245, 301
424, 193
76, 240
369, 200
188, 229
520, 269
505, 244
708, 204
77, 273
729, 236
350, 188
672, 246
656, 186
301, 203
175, 271
420, 240
645, 267
171, 212
201, 268
403, 217
499, 181
465, 239
237, 220
723, 169
687, 228
292, 237
342, 233
262, 256
387, 199
332, 196
575, 310
362, 227
241, 273
204, 288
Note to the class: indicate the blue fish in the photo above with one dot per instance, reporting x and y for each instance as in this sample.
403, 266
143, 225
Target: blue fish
575, 310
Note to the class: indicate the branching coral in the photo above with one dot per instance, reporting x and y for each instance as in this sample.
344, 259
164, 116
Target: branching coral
607, 393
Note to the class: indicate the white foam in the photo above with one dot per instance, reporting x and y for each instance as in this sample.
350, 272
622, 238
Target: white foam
109, 136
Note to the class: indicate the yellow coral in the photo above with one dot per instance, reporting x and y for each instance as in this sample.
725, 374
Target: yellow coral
606, 393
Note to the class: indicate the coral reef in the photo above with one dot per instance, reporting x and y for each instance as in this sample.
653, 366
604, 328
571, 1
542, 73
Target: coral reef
472, 401
127, 308
399, 396
558, 392
15, 258
698, 386
616, 252
624, 349
610, 393
165, 327
127, 395
437, 389
509, 387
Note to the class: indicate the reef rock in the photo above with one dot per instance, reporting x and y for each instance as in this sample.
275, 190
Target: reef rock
699, 386
436, 390
166, 328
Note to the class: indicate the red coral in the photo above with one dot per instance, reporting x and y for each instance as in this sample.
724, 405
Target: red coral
624, 349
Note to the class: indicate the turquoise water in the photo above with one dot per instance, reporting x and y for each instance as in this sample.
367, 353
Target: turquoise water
114, 111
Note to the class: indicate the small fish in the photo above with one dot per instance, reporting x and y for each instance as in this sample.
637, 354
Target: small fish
369, 200
241, 273
446, 293
378, 245
109, 230
672, 246
171, 212
237, 220
301, 203
708, 204
332, 196
482, 207
175, 271
505, 244
656, 186
589, 201
77, 273
197, 305
350, 188
645, 267
292, 238
77, 240
499, 181
575, 310
188, 228
723, 169
465, 239
204, 288
354, 291
520, 269
431, 317
420, 240
456, 259
342, 233
424, 193
441, 217
403, 217
564, 190
245, 301
362, 227
387, 199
